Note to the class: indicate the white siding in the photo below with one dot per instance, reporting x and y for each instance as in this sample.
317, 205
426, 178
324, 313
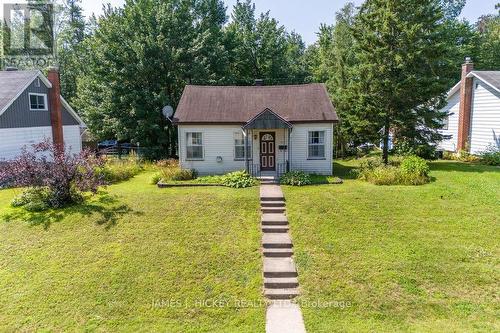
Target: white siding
72, 138
299, 146
452, 107
218, 140
12, 140
485, 124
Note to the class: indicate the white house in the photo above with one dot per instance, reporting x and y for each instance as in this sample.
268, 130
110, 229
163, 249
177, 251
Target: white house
474, 112
32, 110
265, 130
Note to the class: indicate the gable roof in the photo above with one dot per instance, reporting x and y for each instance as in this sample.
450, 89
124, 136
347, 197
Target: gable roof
267, 119
491, 78
238, 105
14, 83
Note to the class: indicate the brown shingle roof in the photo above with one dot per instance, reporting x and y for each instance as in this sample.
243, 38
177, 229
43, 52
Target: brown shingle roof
231, 104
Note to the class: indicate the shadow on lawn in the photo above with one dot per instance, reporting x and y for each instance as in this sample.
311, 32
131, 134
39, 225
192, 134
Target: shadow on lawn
461, 167
344, 171
105, 207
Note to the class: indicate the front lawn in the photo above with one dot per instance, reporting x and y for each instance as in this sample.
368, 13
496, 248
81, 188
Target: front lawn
400, 258
138, 258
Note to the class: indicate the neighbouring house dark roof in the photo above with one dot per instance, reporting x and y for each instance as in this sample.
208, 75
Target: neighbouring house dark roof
232, 104
12, 82
491, 77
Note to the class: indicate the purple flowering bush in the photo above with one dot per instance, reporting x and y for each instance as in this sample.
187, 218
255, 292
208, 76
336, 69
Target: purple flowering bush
54, 178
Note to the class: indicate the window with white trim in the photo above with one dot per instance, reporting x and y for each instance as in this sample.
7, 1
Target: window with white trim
194, 146
239, 146
446, 123
316, 145
38, 102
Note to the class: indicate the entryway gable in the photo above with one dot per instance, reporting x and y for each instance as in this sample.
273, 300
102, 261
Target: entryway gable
267, 119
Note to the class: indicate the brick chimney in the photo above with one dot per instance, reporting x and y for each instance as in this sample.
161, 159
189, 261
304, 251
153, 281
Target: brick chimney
55, 107
464, 116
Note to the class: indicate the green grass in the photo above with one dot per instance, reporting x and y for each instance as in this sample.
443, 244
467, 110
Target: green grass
370, 258
138, 258
400, 258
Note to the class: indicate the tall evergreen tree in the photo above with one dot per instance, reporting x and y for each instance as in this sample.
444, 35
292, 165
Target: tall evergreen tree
402, 54
69, 42
261, 48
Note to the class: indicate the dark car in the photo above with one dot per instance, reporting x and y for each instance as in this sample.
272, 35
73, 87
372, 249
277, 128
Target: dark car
106, 144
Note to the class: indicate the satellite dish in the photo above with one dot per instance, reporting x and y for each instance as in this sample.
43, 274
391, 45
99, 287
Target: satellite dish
168, 111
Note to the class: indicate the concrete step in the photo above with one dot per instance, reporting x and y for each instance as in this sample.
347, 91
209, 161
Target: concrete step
275, 228
276, 241
281, 293
279, 268
274, 222
277, 253
271, 192
272, 198
272, 210
281, 283
274, 219
274, 203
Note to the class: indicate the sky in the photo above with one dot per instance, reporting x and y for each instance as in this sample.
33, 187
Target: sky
305, 16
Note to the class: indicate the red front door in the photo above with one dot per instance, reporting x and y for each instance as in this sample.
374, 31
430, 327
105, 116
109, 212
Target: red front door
267, 151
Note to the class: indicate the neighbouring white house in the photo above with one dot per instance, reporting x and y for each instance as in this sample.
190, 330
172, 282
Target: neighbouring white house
266, 130
474, 112
32, 110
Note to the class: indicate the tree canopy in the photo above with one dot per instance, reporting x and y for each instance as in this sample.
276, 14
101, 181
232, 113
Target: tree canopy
387, 64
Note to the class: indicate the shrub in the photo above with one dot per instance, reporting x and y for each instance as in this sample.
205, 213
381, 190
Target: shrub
414, 165
405, 147
48, 166
34, 199
155, 178
448, 155
116, 170
462, 156
411, 170
171, 171
426, 151
295, 178
210, 180
382, 175
465, 156
238, 179
490, 156
184, 174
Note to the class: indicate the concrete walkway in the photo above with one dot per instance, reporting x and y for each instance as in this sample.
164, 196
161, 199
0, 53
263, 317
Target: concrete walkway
280, 274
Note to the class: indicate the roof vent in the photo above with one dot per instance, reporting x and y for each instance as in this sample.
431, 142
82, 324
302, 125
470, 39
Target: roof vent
11, 69
259, 82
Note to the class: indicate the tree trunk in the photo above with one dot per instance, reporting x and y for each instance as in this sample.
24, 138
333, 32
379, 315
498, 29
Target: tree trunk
385, 152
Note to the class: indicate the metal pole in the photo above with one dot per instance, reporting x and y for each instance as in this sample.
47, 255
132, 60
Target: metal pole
288, 164
246, 151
